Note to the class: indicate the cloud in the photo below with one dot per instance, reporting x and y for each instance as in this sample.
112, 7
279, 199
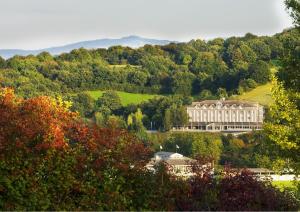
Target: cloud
35, 24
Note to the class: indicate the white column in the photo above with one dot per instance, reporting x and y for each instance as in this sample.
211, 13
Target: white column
201, 118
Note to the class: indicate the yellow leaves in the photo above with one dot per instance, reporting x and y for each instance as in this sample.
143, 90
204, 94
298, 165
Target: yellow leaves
129, 120
61, 103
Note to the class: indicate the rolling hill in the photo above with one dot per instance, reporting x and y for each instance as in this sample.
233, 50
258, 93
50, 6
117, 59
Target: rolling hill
130, 41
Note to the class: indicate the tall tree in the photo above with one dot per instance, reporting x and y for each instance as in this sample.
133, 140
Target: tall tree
294, 6
284, 127
109, 99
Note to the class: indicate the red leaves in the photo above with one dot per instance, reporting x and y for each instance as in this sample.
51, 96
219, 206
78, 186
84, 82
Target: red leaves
42, 123
38, 122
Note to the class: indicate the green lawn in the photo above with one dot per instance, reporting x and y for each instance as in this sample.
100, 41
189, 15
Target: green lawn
126, 98
284, 185
261, 94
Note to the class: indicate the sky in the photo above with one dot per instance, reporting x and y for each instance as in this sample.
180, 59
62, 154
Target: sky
34, 24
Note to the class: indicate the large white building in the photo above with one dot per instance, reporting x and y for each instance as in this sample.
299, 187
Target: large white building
225, 115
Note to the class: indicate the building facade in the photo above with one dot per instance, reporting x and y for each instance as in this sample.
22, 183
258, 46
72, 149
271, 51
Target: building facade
224, 115
178, 164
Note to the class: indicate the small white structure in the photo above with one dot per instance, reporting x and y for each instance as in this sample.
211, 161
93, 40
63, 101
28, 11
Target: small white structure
179, 164
224, 115
263, 173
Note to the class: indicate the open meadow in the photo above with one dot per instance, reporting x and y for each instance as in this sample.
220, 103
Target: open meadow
260, 94
126, 98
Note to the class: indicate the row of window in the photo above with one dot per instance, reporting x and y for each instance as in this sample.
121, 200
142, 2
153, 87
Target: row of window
219, 116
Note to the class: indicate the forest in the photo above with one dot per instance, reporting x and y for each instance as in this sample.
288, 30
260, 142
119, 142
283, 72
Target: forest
178, 72
204, 69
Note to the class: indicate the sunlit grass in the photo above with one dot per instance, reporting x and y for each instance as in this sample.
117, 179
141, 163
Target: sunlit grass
126, 98
282, 185
260, 94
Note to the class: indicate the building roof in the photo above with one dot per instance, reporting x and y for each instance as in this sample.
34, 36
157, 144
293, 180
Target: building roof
228, 103
170, 158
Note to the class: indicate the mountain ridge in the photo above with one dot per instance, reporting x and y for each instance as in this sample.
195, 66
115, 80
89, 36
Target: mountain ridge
132, 41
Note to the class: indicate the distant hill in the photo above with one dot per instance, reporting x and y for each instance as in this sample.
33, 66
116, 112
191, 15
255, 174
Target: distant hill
130, 41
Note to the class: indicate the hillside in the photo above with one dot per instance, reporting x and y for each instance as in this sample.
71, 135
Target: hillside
261, 94
126, 98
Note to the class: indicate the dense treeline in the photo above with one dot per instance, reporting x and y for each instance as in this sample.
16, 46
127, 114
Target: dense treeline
160, 113
198, 67
51, 160
248, 150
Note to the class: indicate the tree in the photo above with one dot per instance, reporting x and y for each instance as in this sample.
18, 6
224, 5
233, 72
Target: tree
2, 62
109, 99
206, 94
222, 93
261, 49
135, 124
247, 85
137, 77
180, 116
175, 116
294, 7
284, 127
208, 63
84, 104
186, 59
257, 195
207, 146
182, 83
167, 121
239, 55
260, 72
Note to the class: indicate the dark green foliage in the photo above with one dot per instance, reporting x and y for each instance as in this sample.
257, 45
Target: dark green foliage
181, 68
110, 100
247, 85
84, 104
181, 83
261, 49
260, 72
289, 74
195, 144
2, 63
165, 112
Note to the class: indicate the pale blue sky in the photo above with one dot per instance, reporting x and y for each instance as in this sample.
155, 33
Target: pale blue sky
32, 24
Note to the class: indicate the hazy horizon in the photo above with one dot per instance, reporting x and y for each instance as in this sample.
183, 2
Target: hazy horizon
34, 24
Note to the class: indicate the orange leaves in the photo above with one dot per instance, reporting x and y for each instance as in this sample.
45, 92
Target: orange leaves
39, 122
43, 123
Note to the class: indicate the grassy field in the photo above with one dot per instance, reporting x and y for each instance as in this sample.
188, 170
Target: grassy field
261, 94
284, 185
126, 98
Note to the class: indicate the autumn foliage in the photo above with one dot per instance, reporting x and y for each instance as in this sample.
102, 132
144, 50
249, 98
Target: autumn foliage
51, 160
